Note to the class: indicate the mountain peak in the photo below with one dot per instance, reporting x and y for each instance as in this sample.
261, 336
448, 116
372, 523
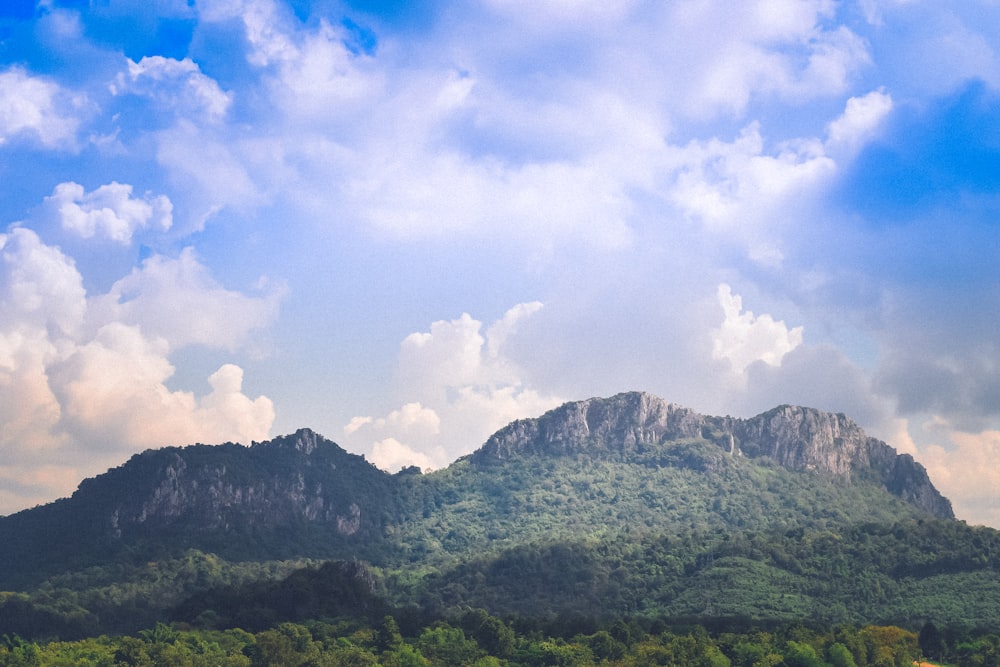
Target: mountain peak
618, 425
304, 440
301, 494
795, 437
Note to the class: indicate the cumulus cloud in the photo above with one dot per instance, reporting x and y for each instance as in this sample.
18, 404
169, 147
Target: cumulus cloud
112, 390
739, 189
744, 338
861, 119
390, 454
966, 472
473, 154
84, 382
42, 290
467, 388
108, 211
39, 108
175, 84
760, 50
419, 145
178, 300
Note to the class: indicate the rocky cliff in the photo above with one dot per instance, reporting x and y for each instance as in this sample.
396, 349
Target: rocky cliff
303, 495
797, 438
297, 478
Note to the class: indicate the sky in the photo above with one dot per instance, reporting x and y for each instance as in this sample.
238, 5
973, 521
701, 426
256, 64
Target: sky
406, 224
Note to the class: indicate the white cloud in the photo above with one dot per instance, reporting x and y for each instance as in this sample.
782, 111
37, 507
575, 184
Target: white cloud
175, 84
356, 424
740, 191
414, 418
179, 300
212, 170
860, 120
412, 422
74, 398
311, 73
41, 289
433, 195
759, 50
419, 145
966, 473
113, 391
39, 108
108, 211
498, 332
322, 77
226, 413
744, 338
392, 455
466, 388
873, 9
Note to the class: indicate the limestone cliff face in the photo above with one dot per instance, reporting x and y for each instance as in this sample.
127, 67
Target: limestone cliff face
618, 425
293, 480
808, 439
797, 438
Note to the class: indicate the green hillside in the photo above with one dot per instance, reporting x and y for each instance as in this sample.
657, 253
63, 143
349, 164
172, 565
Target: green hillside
598, 511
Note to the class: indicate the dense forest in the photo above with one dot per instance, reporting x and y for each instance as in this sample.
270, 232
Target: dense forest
905, 574
618, 532
479, 639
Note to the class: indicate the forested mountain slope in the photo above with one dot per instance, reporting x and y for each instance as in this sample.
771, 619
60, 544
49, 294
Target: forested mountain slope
631, 464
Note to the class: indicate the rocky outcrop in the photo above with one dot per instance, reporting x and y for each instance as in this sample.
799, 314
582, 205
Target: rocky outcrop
807, 439
301, 494
292, 480
797, 438
599, 426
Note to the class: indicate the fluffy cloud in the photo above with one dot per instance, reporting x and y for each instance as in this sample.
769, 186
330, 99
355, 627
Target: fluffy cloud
467, 388
861, 118
740, 191
390, 454
113, 391
175, 84
179, 301
214, 173
966, 472
744, 338
41, 288
474, 152
83, 383
108, 211
39, 108
755, 50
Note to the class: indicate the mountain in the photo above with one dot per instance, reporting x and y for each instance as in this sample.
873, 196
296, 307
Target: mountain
295, 495
600, 467
796, 438
601, 509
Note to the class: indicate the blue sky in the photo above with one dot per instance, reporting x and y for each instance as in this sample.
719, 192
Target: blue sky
405, 224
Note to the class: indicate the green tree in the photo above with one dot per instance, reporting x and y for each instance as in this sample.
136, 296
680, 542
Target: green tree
388, 638
404, 655
931, 641
799, 654
445, 645
840, 656
606, 647
493, 635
